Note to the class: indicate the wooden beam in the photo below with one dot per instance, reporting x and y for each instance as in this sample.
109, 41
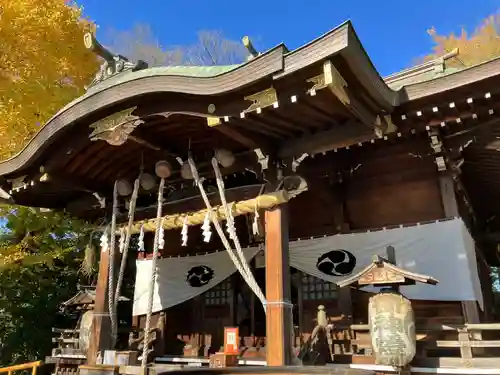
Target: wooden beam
336, 137
342, 226
248, 141
74, 182
279, 308
338, 86
100, 333
448, 196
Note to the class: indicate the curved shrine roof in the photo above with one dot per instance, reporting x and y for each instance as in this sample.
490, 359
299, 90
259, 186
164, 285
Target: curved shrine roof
322, 96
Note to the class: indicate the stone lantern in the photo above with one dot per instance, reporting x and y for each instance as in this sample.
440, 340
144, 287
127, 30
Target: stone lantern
390, 315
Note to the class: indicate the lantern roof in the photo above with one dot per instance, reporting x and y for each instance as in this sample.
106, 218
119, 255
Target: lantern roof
382, 272
85, 296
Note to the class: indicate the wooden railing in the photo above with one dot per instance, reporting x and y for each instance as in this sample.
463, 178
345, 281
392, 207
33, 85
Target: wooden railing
467, 345
25, 366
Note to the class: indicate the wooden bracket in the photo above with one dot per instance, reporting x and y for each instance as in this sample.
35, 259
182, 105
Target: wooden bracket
318, 83
262, 99
213, 121
339, 87
384, 125
438, 149
336, 83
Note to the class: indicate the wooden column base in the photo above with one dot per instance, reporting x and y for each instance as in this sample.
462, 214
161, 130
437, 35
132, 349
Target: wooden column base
279, 334
219, 360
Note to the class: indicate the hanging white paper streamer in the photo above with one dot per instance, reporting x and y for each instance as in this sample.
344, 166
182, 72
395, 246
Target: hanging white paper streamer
184, 232
207, 233
255, 224
121, 245
141, 239
161, 239
104, 241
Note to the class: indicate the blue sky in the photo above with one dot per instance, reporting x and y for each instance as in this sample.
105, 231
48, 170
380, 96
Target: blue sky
392, 31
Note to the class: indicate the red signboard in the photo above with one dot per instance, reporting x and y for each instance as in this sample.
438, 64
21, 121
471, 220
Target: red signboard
231, 340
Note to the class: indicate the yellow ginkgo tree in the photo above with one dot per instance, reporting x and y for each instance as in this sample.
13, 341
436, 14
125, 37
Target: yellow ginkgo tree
43, 65
473, 48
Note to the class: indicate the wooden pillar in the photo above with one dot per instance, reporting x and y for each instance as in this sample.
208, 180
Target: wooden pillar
342, 226
279, 307
470, 309
100, 333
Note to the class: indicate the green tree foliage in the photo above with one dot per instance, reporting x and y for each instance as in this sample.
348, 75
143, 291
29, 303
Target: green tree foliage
40, 256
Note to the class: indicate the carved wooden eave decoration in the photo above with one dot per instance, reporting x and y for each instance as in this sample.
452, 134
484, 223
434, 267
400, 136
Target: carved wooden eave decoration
261, 100
381, 272
116, 128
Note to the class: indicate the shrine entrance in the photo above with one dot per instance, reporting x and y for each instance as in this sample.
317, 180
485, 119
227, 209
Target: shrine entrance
250, 316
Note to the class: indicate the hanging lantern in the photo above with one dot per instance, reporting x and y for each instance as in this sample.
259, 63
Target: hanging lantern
392, 328
124, 188
163, 169
147, 181
186, 171
224, 157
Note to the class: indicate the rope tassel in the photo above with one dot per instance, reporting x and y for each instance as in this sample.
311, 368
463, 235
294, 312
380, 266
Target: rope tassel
149, 313
238, 258
124, 245
255, 223
111, 274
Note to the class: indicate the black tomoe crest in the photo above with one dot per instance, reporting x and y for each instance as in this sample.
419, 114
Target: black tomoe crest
336, 263
199, 276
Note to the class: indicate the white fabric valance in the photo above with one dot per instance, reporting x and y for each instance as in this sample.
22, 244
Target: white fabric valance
444, 250
180, 279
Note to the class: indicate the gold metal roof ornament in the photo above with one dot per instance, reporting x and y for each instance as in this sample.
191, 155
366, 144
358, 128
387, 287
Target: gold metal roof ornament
116, 128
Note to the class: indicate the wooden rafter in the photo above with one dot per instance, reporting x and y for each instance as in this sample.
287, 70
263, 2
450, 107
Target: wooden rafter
336, 137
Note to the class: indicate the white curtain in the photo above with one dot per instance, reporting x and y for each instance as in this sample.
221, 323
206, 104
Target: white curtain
180, 279
444, 250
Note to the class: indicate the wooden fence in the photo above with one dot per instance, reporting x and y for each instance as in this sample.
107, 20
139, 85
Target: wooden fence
33, 366
467, 345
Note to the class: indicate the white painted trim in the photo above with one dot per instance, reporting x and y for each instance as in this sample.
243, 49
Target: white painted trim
70, 356
378, 368
430, 370
246, 362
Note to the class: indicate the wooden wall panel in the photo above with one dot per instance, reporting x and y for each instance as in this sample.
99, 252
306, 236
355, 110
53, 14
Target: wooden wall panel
312, 212
426, 312
393, 204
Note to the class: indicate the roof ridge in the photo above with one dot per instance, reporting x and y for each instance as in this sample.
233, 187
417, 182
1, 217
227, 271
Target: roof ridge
434, 65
